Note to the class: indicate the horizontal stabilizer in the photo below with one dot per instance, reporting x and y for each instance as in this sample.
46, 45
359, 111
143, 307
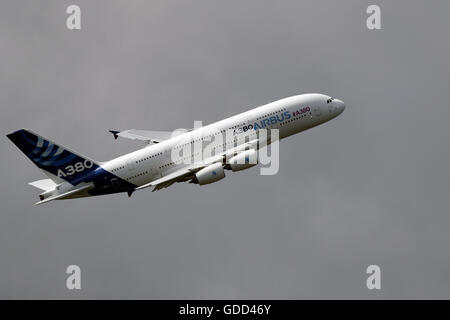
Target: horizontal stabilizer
44, 184
65, 194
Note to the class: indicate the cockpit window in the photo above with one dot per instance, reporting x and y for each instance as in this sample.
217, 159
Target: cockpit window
329, 100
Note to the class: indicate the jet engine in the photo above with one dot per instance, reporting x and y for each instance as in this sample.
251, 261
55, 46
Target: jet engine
210, 174
243, 160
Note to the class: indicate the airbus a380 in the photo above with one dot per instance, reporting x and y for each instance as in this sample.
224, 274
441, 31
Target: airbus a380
72, 175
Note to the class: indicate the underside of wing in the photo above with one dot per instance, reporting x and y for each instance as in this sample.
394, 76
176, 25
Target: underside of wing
188, 173
166, 181
181, 175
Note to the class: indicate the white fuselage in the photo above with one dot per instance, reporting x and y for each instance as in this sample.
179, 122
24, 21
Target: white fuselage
290, 116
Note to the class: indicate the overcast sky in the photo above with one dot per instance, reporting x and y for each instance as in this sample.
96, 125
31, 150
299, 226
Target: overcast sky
369, 187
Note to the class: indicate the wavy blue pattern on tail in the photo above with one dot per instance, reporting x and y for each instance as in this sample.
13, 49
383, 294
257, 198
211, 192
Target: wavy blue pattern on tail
52, 157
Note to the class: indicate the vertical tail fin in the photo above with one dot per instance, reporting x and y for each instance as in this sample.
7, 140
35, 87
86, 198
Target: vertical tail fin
51, 157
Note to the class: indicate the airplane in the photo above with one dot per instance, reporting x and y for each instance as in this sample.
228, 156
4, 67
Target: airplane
72, 175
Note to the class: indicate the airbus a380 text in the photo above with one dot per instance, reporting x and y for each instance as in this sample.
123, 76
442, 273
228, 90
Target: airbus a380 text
170, 157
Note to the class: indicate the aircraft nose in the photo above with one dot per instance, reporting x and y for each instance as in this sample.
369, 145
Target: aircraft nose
340, 105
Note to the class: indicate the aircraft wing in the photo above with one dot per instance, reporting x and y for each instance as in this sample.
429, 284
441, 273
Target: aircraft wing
188, 173
177, 176
181, 175
147, 136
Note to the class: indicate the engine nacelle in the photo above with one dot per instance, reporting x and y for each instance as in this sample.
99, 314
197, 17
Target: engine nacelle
210, 174
243, 160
